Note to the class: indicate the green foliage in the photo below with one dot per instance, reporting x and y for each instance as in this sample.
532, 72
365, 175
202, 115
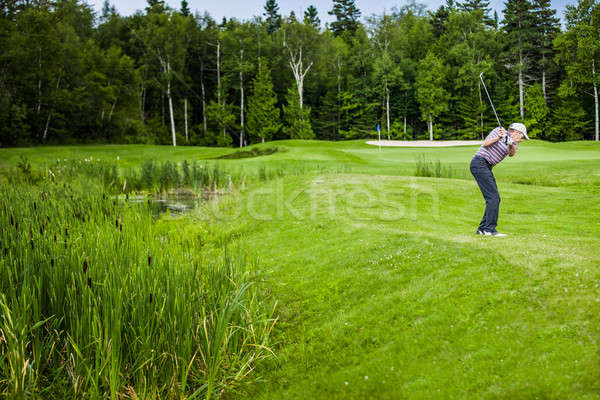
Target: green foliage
569, 122
297, 118
537, 111
431, 95
99, 290
346, 17
428, 168
68, 78
311, 17
273, 19
263, 114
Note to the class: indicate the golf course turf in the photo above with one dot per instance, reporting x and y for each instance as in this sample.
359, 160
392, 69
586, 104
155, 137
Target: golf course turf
383, 289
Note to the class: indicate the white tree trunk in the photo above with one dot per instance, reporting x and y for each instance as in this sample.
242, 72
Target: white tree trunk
143, 104
387, 110
405, 124
39, 105
521, 88
203, 106
241, 98
45, 135
219, 78
112, 110
339, 91
171, 112
597, 138
185, 112
430, 127
297, 65
218, 72
544, 78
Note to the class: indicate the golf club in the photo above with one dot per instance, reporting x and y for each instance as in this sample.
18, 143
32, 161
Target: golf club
493, 108
489, 97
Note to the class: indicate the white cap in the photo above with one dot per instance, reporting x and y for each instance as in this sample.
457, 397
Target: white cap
517, 126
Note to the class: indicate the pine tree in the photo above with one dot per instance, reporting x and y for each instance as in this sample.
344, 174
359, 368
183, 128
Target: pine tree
431, 95
263, 114
185, 9
273, 18
311, 17
547, 27
438, 19
482, 6
155, 6
347, 17
520, 37
569, 122
108, 11
296, 117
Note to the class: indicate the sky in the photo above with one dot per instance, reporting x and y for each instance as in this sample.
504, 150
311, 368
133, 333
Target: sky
245, 9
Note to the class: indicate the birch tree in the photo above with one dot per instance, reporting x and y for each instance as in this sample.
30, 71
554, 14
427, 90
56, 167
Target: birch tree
520, 37
386, 67
431, 95
163, 38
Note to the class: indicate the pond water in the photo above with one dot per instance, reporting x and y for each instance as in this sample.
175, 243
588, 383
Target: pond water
174, 202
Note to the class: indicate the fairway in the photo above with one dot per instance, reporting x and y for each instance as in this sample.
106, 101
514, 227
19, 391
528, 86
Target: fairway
384, 291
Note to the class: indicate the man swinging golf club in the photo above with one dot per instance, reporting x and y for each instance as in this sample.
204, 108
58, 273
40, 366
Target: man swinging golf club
496, 146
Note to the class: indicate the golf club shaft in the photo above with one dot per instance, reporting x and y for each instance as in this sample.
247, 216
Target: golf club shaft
490, 98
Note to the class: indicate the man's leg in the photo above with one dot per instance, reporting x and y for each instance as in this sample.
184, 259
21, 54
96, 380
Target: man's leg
487, 184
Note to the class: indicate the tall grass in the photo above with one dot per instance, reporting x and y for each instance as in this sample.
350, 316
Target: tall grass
100, 300
213, 175
428, 168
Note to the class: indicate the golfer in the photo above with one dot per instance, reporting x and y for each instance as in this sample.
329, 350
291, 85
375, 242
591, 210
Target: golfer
496, 146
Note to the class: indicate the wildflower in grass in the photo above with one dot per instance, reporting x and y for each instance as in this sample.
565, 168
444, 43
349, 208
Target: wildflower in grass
85, 266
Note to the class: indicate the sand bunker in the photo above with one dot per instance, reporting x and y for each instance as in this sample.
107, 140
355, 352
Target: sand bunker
424, 143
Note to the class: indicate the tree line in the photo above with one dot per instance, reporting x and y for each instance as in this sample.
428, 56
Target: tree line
168, 76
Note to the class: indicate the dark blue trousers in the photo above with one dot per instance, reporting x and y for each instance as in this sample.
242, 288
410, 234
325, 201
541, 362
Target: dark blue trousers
482, 171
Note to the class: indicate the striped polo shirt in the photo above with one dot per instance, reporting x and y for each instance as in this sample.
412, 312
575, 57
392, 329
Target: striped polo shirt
496, 152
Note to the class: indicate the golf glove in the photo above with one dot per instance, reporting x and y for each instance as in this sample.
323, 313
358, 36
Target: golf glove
508, 140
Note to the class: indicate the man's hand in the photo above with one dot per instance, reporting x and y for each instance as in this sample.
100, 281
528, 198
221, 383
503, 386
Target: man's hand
509, 140
501, 132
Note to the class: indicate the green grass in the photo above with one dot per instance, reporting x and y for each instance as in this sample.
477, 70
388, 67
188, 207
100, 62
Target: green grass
383, 289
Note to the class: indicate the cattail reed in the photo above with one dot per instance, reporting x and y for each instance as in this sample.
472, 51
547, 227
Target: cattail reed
149, 259
150, 297
52, 262
85, 266
12, 221
89, 282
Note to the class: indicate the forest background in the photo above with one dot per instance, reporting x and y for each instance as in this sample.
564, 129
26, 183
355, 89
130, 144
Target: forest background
170, 76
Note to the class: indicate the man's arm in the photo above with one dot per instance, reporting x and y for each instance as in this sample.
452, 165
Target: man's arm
494, 137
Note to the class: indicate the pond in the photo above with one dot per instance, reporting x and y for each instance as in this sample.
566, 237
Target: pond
177, 202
